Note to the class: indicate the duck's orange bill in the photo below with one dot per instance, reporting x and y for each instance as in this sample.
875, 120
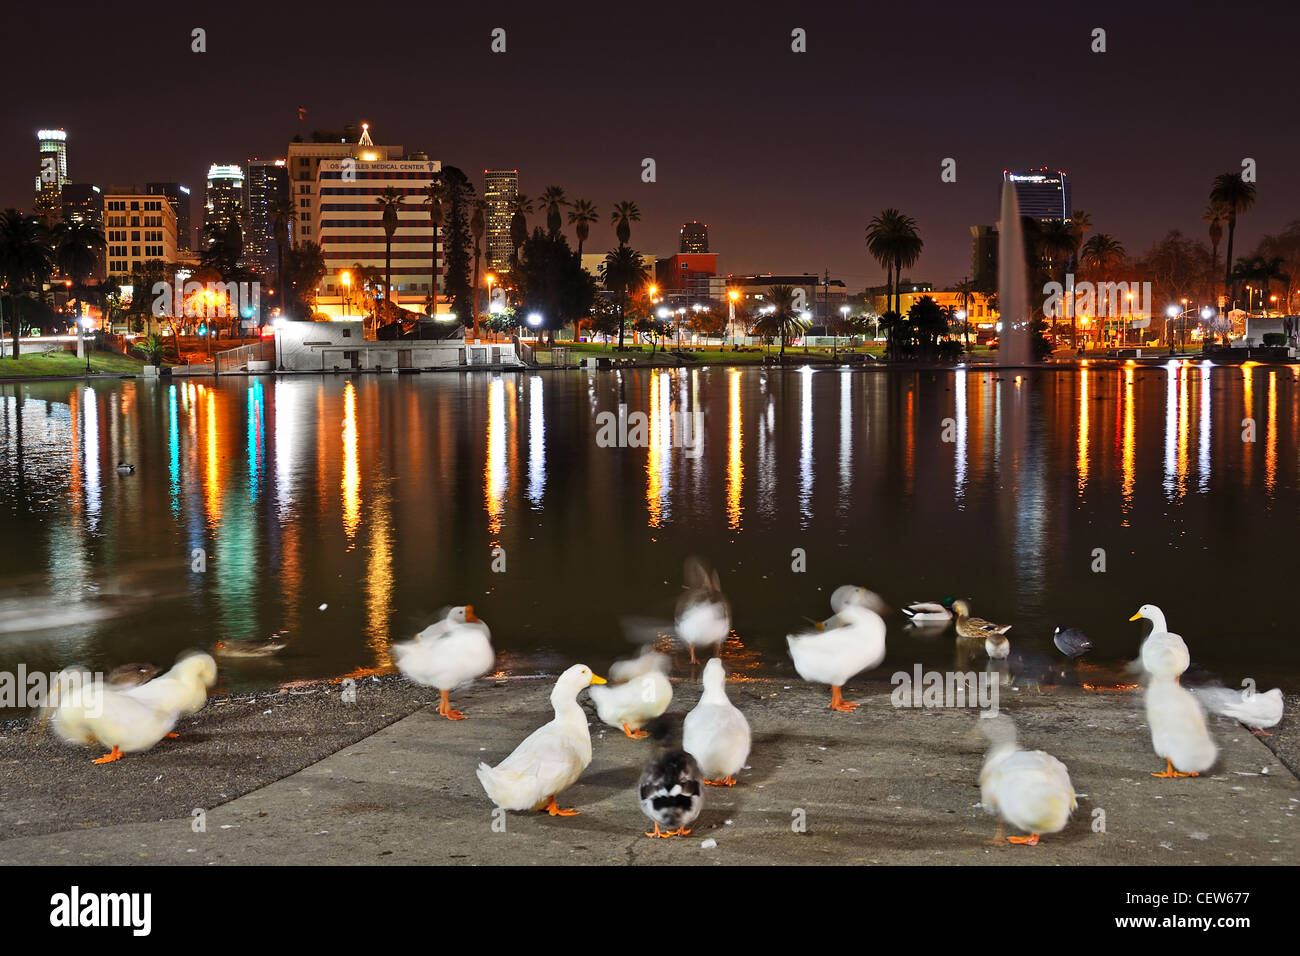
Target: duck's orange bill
1136, 616
597, 680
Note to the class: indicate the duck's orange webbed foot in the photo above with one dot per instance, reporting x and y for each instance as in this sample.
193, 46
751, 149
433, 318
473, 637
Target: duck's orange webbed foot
1031, 840
1169, 772
554, 810
114, 754
635, 734
727, 781
839, 703
656, 832
173, 736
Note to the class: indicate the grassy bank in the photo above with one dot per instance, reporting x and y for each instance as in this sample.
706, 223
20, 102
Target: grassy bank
67, 364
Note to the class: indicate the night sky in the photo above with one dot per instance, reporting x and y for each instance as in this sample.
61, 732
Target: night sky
786, 156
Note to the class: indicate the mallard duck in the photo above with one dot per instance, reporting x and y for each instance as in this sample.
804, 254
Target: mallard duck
130, 675
84, 713
927, 612
123, 468
1176, 719
716, 733
703, 613
975, 628
1071, 641
1251, 708
446, 655
551, 758
1029, 789
251, 647
834, 656
670, 790
643, 694
1162, 650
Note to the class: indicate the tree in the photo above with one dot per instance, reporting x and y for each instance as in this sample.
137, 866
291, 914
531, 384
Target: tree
624, 214
282, 217
1237, 196
1057, 245
26, 261
460, 199
928, 321
476, 228
893, 241
965, 289
553, 283
435, 198
1100, 255
1216, 214
78, 246
391, 201
224, 247
304, 268
780, 316
581, 217
552, 201
519, 223
623, 273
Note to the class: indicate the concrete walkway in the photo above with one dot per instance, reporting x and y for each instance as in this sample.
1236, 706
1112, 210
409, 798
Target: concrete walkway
881, 785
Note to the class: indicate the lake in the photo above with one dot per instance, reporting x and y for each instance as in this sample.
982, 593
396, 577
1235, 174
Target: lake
256, 502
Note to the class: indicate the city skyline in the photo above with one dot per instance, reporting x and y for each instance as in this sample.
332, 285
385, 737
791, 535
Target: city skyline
844, 124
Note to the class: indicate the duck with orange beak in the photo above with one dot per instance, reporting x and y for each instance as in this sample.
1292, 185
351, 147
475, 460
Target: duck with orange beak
448, 654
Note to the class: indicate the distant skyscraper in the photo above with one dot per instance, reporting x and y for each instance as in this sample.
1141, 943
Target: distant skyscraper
695, 237
225, 197
268, 183
84, 202
179, 197
52, 173
500, 189
1042, 194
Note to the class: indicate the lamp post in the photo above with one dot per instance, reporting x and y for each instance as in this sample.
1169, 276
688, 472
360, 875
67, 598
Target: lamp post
346, 277
732, 296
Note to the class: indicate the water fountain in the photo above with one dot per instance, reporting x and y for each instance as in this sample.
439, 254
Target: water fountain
1014, 346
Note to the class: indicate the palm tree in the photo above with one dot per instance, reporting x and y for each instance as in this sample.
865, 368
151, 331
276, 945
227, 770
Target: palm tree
26, 260
624, 214
581, 217
1080, 223
77, 246
1057, 246
435, 198
1216, 214
552, 200
1269, 269
477, 225
282, 217
893, 241
1237, 196
624, 273
391, 201
1099, 255
519, 223
781, 317
965, 289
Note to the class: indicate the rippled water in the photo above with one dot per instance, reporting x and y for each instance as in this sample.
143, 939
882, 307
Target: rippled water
384, 498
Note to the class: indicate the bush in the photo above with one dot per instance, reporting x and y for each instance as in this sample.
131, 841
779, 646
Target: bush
1274, 338
950, 350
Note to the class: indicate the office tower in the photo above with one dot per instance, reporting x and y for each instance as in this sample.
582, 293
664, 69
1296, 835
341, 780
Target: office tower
695, 237
1043, 194
138, 227
179, 197
268, 184
224, 203
500, 189
83, 202
52, 174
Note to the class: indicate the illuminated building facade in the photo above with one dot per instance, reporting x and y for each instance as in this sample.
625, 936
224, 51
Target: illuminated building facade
138, 227
694, 237
179, 198
1043, 194
224, 202
303, 164
268, 183
500, 189
52, 174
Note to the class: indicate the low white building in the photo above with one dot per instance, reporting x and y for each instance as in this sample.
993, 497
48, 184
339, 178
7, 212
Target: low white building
340, 346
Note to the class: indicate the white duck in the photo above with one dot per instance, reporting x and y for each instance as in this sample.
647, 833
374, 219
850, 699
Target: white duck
1029, 789
703, 613
1251, 708
642, 694
1176, 718
834, 656
447, 654
83, 712
1161, 649
183, 689
847, 594
551, 758
716, 733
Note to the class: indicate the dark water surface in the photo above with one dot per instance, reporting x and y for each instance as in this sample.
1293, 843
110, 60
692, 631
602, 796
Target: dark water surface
383, 497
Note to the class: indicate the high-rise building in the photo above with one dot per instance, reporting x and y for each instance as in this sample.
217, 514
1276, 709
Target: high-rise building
84, 202
138, 227
350, 229
695, 237
179, 198
304, 161
500, 189
268, 184
984, 256
53, 171
1042, 194
224, 203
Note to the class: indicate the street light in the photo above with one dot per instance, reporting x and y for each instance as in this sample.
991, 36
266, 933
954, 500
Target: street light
347, 291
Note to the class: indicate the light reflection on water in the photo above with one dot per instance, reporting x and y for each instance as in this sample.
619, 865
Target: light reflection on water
383, 498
